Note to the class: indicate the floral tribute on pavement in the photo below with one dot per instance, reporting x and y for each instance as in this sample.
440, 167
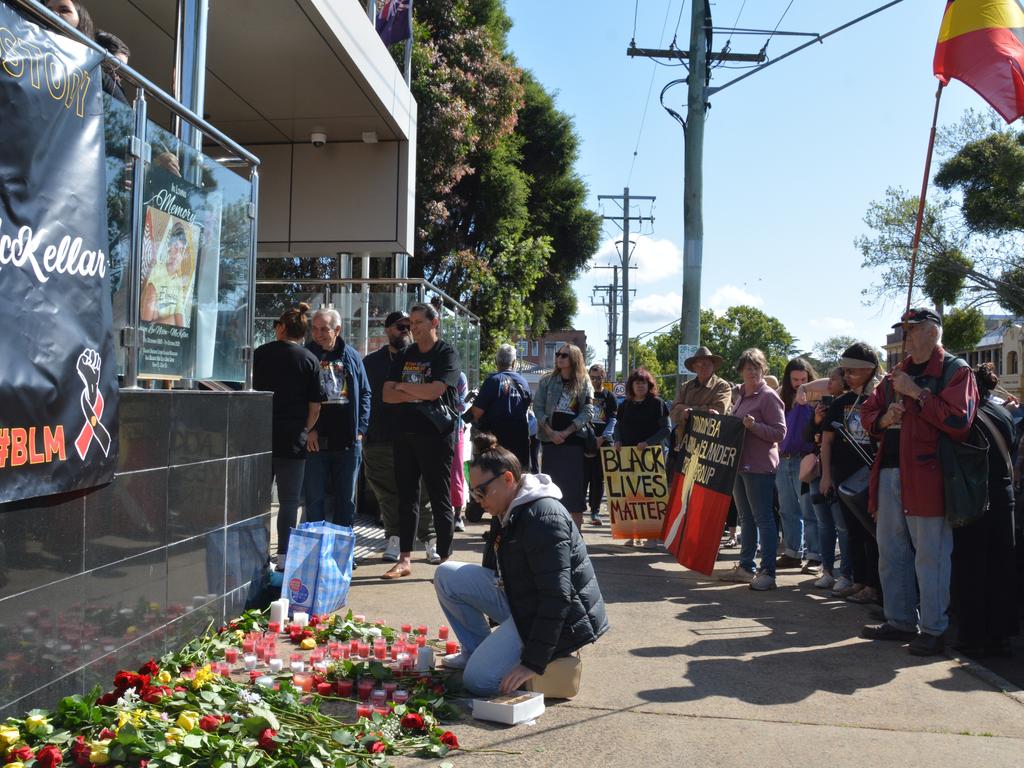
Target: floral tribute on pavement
229, 700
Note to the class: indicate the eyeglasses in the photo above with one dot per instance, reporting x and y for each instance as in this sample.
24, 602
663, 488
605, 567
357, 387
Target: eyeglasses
561, 354
478, 493
403, 327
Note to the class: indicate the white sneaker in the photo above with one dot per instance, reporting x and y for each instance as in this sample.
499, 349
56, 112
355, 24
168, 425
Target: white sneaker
455, 660
825, 581
460, 524
392, 550
763, 582
430, 545
738, 575
842, 587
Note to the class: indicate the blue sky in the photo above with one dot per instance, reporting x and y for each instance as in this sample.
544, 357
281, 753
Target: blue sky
793, 155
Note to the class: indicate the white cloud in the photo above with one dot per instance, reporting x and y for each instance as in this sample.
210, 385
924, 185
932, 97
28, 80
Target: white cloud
833, 324
731, 296
655, 307
656, 260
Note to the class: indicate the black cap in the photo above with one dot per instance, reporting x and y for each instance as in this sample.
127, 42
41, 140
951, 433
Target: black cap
919, 315
394, 317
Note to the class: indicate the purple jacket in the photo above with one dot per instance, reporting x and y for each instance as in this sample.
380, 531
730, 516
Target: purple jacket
797, 420
761, 445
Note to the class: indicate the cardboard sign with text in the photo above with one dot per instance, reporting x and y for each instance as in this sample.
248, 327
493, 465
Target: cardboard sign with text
702, 490
636, 489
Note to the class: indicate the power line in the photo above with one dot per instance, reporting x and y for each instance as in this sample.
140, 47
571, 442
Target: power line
636, 9
765, 46
650, 87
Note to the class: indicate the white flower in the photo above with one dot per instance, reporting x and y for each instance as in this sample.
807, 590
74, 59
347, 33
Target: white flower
250, 697
129, 700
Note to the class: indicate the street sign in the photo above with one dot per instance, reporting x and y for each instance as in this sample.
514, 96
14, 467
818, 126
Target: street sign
620, 389
685, 351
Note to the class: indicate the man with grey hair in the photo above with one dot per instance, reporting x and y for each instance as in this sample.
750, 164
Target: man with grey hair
502, 405
334, 445
930, 393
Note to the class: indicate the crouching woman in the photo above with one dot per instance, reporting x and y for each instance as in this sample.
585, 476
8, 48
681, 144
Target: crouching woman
541, 590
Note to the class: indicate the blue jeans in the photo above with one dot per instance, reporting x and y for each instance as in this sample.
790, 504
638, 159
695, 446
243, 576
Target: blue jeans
469, 594
342, 468
832, 527
753, 496
913, 562
799, 525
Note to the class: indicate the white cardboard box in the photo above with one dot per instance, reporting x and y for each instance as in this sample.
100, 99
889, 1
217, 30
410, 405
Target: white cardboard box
516, 707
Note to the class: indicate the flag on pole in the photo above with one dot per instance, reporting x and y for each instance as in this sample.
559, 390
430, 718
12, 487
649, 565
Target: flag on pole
981, 43
394, 21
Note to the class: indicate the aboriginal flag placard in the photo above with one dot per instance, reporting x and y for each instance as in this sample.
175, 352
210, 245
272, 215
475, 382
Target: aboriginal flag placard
58, 391
636, 490
702, 490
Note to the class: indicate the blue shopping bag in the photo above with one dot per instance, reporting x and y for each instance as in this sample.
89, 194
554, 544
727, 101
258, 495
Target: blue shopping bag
318, 569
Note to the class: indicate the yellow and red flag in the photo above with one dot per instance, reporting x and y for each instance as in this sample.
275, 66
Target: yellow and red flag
981, 43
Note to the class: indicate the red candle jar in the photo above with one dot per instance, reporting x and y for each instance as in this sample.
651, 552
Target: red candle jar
422, 629
254, 674
451, 647
354, 648
295, 657
248, 645
381, 652
231, 655
325, 689
442, 632
389, 688
344, 688
365, 688
274, 627
382, 711
407, 628
363, 710
303, 682
364, 650
421, 640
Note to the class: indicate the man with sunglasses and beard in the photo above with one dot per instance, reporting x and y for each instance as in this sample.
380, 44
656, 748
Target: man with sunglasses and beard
378, 449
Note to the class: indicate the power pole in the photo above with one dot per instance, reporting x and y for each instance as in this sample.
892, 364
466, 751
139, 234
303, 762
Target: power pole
626, 218
610, 298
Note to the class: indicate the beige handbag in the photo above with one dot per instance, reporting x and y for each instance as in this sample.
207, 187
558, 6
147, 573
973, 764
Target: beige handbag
810, 468
561, 678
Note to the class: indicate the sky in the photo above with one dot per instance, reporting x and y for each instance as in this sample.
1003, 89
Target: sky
793, 155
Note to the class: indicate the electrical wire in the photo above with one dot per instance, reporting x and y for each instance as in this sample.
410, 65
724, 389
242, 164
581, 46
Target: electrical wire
679, 20
647, 101
728, 42
764, 47
636, 10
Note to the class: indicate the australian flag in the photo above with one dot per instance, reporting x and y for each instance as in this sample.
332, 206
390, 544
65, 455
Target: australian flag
394, 21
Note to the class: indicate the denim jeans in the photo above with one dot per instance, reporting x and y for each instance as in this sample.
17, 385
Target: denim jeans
753, 496
913, 562
799, 524
832, 528
342, 467
469, 594
288, 473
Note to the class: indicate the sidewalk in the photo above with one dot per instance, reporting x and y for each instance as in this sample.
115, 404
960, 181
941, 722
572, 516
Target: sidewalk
695, 672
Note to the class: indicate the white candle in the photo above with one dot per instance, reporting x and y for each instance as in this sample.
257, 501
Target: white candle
279, 611
298, 666
320, 666
300, 619
265, 681
250, 660
424, 659
276, 665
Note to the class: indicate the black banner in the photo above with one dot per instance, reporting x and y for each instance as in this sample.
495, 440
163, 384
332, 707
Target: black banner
58, 389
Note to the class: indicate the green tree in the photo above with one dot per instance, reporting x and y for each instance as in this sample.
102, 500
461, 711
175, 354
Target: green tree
826, 353
962, 329
740, 328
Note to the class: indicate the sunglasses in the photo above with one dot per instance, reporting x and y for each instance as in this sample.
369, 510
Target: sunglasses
561, 354
478, 493
403, 327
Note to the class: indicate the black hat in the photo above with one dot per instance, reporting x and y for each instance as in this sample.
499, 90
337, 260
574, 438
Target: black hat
919, 315
394, 317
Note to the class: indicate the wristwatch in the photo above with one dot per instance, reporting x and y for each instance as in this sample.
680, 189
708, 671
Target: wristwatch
922, 396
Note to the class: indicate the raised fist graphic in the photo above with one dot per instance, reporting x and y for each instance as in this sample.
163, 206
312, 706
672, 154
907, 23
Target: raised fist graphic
89, 370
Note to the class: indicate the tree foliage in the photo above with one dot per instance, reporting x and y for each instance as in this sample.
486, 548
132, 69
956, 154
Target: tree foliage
962, 329
501, 222
826, 353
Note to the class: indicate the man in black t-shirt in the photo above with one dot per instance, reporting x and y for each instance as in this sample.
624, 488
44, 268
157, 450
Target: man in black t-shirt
421, 391
501, 406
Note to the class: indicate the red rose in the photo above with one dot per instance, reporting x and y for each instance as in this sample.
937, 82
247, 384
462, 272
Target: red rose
149, 668
266, 741
438, 689
19, 755
151, 694
449, 740
49, 757
124, 680
80, 751
314, 620
378, 747
209, 723
106, 733
109, 699
412, 721
143, 763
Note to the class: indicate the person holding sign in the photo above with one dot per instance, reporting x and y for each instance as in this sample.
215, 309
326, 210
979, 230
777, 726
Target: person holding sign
705, 392
565, 409
540, 588
642, 419
764, 417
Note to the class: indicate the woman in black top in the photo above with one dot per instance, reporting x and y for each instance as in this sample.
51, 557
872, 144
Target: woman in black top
289, 370
605, 407
983, 580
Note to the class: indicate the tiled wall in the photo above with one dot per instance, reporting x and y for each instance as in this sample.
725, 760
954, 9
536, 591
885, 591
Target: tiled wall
96, 581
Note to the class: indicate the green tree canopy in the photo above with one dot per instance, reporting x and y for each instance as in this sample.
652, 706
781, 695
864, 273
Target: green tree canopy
962, 329
826, 353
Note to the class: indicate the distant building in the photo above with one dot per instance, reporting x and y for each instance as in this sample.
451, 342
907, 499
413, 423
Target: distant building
536, 356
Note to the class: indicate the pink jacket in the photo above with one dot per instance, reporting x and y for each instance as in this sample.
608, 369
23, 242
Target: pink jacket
761, 443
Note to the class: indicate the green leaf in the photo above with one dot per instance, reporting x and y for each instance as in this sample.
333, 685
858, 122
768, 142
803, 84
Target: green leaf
267, 715
315, 761
254, 757
174, 758
192, 741
343, 737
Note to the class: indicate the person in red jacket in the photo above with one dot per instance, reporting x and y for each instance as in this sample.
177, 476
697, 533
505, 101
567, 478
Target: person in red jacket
907, 413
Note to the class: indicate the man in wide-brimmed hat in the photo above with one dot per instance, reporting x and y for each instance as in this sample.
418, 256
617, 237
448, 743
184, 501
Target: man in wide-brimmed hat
706, 392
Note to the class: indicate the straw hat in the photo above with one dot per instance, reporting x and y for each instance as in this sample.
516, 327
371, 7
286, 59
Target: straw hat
703, 353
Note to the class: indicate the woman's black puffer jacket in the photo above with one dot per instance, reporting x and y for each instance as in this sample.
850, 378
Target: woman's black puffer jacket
550, 583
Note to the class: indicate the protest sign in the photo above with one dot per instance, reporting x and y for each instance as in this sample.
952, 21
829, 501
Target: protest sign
702, 489
636, 490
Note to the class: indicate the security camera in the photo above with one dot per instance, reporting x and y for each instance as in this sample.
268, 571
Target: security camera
318, 139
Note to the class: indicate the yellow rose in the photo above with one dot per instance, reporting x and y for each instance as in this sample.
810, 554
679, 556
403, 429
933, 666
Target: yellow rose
164, 677
9, 737
173, 735
14, 765
187, 721
38, 725
98, 754
308, 644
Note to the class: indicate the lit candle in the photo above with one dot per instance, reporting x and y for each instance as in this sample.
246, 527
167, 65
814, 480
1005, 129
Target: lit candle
250, 661
407, 628
298, 666
325, 689
274, 628
421, 640
364, 650
303, 682
363, 710
378, 697
364, 688
382, 711
231, 655
451, 647
276, 665
389, 688
422, 629
248, 645
320, 666
354, 647
344, 687
442, 632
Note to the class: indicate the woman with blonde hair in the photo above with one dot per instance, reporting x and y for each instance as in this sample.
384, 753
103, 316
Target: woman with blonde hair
564, 407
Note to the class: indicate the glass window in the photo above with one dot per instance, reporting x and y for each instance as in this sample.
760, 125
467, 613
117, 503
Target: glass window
1011, 363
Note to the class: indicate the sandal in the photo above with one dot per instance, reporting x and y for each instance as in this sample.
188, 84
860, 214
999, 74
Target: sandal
398, 572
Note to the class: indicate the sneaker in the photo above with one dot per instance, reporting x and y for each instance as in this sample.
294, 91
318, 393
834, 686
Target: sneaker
785, 561
811, 568
392, 550
843, 587
927, 645
737, 574
460, 524
595, 519
886, 631
639, 542
763, 582
431, 547
455, 660
825, 581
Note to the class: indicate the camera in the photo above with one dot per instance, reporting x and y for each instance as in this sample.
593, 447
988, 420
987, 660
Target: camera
826, 400
318, 139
